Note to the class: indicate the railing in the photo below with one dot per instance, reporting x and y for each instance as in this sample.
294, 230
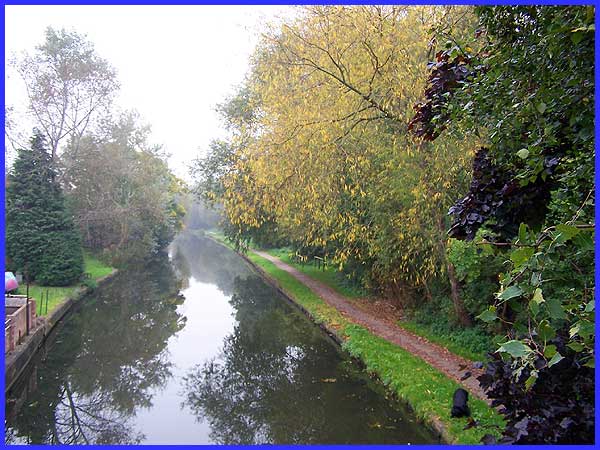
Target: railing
318, 261
42, 302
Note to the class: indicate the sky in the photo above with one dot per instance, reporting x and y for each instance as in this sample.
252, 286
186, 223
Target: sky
174, 63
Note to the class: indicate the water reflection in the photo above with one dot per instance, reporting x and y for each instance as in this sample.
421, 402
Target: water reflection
278, 380
208, 262
229, 361
103, 366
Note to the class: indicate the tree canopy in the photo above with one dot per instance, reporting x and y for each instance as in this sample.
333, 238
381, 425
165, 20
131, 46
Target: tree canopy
122, 191
68, 86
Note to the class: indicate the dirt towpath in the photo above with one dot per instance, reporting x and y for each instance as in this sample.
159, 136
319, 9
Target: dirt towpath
438, 357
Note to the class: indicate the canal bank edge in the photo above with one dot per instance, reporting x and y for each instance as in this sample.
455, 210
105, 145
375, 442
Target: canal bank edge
347, 334
433, 422
18, 360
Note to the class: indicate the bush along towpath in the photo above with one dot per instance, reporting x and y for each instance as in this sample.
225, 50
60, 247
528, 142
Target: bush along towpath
423, 374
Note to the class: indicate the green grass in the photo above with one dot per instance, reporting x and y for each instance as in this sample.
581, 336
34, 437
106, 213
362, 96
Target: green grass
459, 343
321, 311
57, 295
428, 391
94, 267
330, 276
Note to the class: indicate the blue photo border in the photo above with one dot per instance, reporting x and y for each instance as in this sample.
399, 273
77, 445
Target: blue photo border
455, 2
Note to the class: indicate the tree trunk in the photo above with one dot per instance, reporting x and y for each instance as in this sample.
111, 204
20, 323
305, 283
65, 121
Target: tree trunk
428, 294
459, 307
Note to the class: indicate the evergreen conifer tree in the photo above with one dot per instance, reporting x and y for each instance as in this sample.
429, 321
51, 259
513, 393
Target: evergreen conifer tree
41, 238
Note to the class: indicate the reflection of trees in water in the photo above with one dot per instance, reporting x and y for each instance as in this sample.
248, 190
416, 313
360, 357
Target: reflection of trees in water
273, 382
106, 362
84, 419
181, 266
207, 261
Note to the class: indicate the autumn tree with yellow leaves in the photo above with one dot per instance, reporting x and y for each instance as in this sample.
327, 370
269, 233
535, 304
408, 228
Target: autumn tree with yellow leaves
320, 154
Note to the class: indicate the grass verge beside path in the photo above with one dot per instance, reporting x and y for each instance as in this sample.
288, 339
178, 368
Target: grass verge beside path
428, 391
461, 344
330, 276
57, 295
445, 340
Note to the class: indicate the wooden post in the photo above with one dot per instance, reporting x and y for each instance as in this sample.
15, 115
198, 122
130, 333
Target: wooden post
27, 303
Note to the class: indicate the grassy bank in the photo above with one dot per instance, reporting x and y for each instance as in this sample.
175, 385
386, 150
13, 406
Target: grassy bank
427, 390
56, 295
94, 267
467, 343
328, 275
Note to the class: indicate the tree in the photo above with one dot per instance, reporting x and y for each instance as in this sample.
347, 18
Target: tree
122, 191
41, 239
209, 171
223, 179
529, 90
325, 158
68, 84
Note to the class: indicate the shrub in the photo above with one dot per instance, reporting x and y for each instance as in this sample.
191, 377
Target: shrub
434, 321
552, 411
477, 269
90, 283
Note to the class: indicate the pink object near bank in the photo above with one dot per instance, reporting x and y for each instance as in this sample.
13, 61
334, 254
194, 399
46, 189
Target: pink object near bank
10, 282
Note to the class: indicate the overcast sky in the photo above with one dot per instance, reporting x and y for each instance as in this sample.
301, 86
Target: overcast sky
174, 63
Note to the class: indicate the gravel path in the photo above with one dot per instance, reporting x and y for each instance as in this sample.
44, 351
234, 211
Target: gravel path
450, 364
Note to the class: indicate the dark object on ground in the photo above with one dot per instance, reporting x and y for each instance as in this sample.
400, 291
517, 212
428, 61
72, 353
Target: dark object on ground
459, 404
465, 376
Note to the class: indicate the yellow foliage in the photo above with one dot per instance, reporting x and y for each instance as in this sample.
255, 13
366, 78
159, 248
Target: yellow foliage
330, 159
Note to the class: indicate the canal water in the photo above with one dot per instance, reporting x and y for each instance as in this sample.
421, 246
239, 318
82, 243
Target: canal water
195, 348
